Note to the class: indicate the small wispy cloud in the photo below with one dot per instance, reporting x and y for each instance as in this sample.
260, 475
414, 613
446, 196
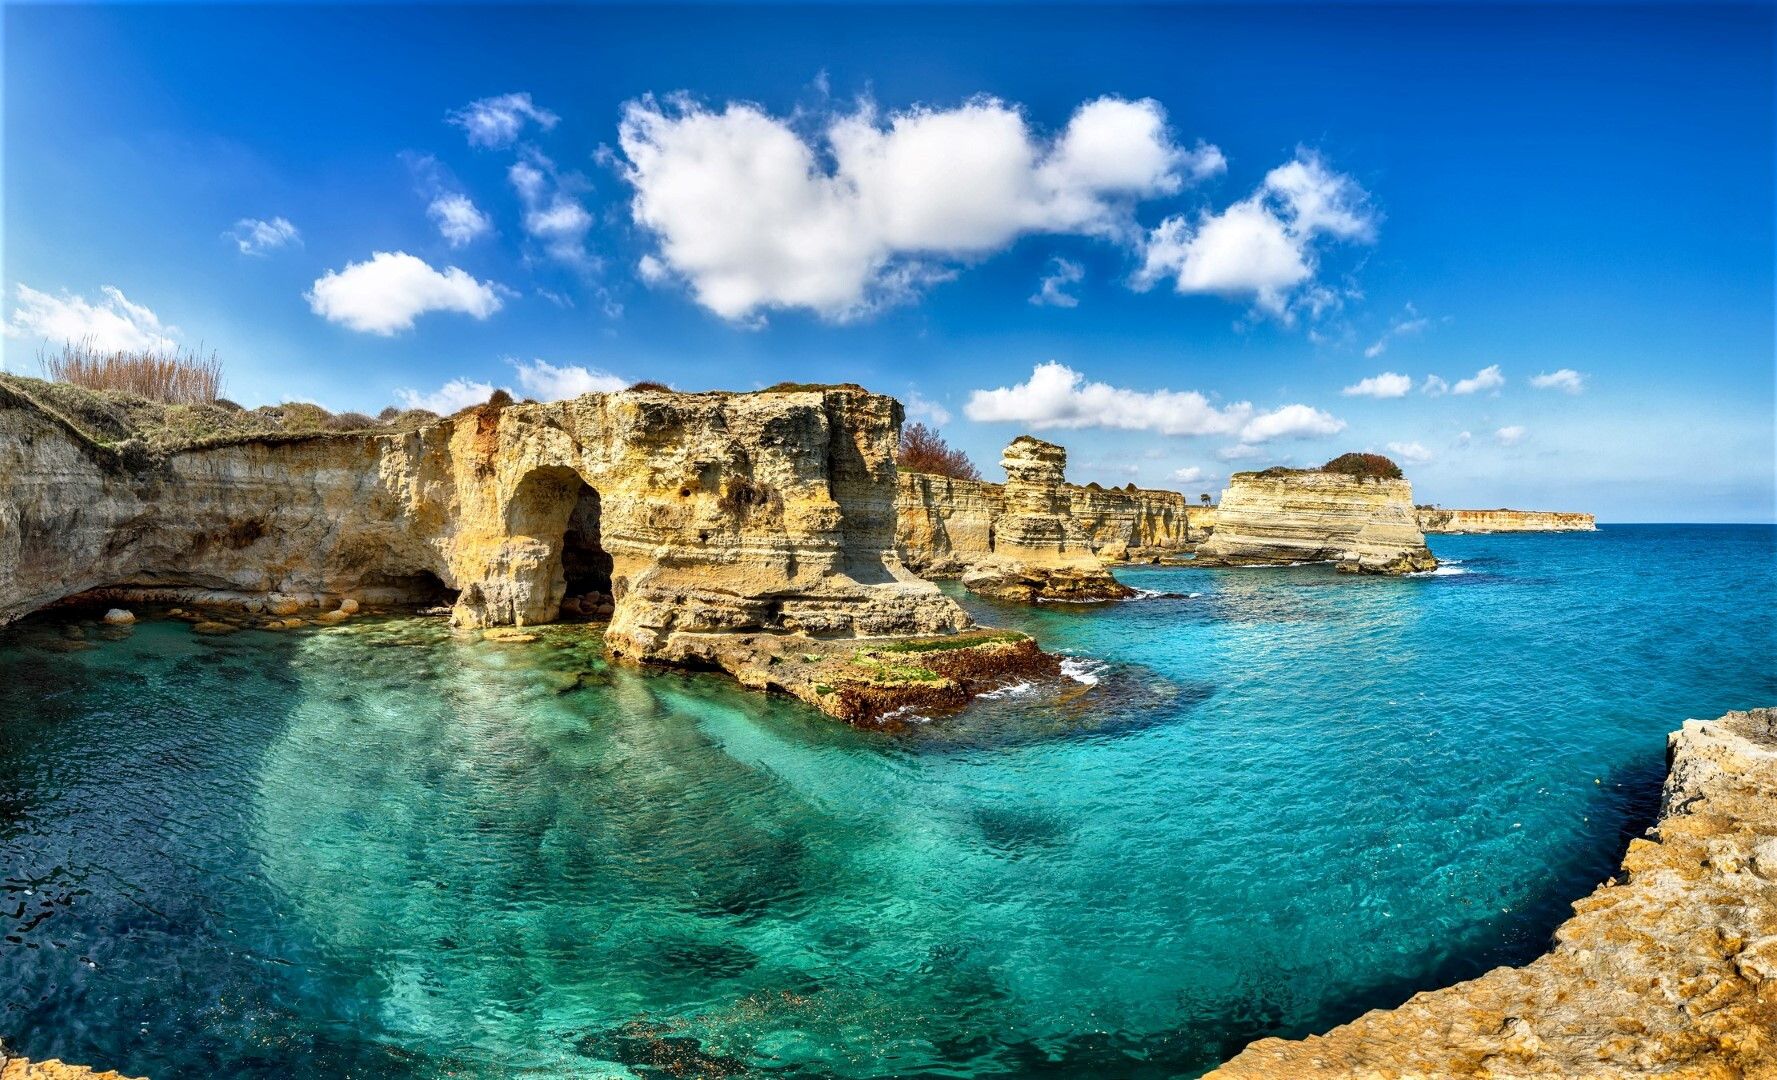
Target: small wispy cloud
1408, 323
495, 122
1488, 378
1386, 385
923, 408
1052, 292
1565, 379
1511, 435
458, 219
256, 237
1411, 453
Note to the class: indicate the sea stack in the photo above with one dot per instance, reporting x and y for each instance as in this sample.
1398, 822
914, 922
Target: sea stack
1355, 512
1040, 552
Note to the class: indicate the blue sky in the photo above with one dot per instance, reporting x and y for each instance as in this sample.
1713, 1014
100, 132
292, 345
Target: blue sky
1241, 214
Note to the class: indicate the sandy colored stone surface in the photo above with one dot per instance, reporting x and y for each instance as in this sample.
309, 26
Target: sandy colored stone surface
718, 514
1498, 521
1668, 971
1364, 525
17, 1068
1035, 537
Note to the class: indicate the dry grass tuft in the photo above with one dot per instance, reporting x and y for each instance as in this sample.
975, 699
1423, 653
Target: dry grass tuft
178, 378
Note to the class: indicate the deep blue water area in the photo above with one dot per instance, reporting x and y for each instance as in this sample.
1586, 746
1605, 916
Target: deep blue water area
1265, 801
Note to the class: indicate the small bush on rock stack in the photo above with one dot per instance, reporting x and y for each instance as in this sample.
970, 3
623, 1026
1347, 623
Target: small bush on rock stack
1367, 466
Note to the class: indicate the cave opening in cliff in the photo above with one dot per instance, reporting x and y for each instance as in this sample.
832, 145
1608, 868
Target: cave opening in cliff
557, 507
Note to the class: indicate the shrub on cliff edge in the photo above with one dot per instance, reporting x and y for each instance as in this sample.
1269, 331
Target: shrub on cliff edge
1366, 466
923, 450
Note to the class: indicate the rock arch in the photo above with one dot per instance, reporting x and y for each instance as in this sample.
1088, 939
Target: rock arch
553, 547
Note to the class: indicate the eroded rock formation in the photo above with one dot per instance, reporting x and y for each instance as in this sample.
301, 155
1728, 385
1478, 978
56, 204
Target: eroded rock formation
1280, 516
18, 1068
1013, 541
1497, 521
1139, 524
1668, 971
715, 521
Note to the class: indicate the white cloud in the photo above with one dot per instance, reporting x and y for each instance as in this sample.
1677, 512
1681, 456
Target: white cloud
923, 408
1386, 385
1465, 438
112, 324
751, 216
1264, 247
453, 395
1488, 378
1056, 396
255, 237
1510, 436
386, 293
552, 213
1290, 422
538, 379
498, 121
547, 382
1565, 379
1241, 452
1411, 322
1410, 452
1190, 474
458, 219
1053, 290
1435, 386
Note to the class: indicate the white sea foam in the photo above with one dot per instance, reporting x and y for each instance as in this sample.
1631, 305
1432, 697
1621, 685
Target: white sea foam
1013, 690
1442, 571
1082, 669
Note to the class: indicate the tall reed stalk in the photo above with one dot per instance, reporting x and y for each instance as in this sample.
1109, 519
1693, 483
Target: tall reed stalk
177, 378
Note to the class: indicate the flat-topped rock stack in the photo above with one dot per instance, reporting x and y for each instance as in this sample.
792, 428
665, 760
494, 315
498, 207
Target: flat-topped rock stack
1435, 520
1669, 970
1361, 523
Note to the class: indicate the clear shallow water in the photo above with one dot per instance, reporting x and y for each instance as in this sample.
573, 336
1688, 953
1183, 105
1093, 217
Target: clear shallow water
379, 852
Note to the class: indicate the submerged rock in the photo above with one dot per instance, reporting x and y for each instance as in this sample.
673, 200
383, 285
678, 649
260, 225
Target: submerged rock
1668, 971
209, 626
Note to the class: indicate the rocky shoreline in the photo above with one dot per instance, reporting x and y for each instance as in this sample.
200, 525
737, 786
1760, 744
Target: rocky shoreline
1669, 970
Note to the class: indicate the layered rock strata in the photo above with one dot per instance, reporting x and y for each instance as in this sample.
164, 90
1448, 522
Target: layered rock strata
1140, 524
1039, 550
1014, 541
1498, 521
18, 1068
1669, 970
1281, 516
711, 521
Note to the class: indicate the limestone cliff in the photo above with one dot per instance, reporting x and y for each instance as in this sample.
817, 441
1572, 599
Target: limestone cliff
1497, 521
1013, 541
1139, 524
1669, 971
713, 521
1362, 524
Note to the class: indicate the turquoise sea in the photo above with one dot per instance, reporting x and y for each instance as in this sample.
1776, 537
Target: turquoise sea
1270, 800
